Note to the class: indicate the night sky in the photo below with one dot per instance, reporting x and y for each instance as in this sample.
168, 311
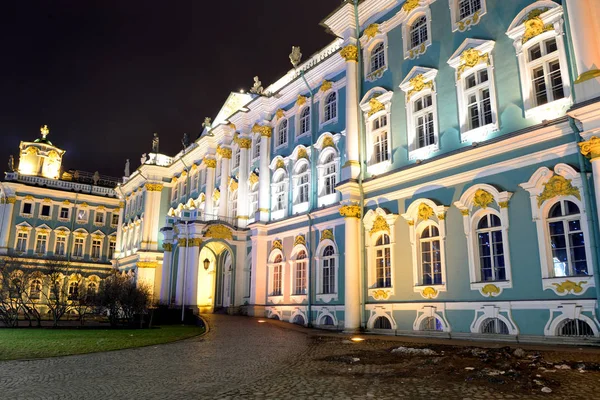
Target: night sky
104, 75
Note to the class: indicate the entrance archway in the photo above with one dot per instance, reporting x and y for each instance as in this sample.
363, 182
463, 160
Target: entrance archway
216, 277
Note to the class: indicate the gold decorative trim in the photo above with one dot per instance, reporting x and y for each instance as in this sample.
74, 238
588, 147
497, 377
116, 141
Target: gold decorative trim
465, 212
216, 195
264, 210
300, 239
411, 223
280, 164
232, 126
11, 200
302, 153
503, 204
325, 86
490, 290
425, 212
280, 113
350, 53
253, 178
245, 143
429, 293
371, 31
558, 186
418, 83
224, 152
350, 211
154, 187
470, 58
483, 198
147, 264
534, 25
194, 242
218, 232
167, 247
470, 21
233, 184
591, 148
569, 287
375, 106
210, 162
588, 75
301, 101
328, 142
182, 242
380, 294
379, 225
326, 234
410, 5
277, 245
263, 130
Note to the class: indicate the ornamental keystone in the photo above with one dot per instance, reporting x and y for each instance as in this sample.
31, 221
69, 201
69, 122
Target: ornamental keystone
351, 211
591, 148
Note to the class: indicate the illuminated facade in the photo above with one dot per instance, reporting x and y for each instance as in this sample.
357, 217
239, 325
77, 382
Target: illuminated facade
47, 213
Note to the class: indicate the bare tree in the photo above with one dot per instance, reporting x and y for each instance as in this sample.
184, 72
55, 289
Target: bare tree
9, 301
20, 286
56, 298
84, 302
121, 297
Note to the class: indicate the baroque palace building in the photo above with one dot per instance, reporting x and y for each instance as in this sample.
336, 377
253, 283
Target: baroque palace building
432, 171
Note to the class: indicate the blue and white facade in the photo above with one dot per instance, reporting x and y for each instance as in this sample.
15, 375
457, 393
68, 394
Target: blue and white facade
431, 171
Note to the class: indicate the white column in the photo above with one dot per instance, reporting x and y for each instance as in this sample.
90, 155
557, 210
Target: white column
181, 269
351, 169
242, 198
166, 273
191, 278
352, 214
225, 153
264, 192
211, 164
6, 214
119, 244
258, 289
151, 216
585, 34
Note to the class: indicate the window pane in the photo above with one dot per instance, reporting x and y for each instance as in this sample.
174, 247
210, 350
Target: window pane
551, 46
535, 52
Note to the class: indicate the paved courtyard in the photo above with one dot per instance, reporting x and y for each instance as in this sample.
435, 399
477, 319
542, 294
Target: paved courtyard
241, 358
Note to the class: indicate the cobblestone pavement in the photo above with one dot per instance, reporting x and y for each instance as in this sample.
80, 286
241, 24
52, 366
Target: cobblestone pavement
241, 358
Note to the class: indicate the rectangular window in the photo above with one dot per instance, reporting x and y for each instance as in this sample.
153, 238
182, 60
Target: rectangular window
45, 212
330, 178
115, 219
547, 84
96, 246
64, 213
194, 182
27, 208
380, 140
300, 282
383, 267
60, 248
22, 242
477, 92
99, 218
424, 124
82, 215
78, 247
112, 245
467, 8
257, 148
40, 244
329, 275
277, 280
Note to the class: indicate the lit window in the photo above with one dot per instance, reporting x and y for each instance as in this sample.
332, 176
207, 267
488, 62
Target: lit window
279, 192
329, 174
282, 133
35, 289
21, 246
383, 264
277, 278
78, 247
99, 219
430, 260
379, 133
60, 247
378, 57
96, 247
330, 111
82, 215
567, 240
467, 8
328, 271
304, 121
194, 179
234, 204
41, 243
300, 275
64, 213
236, 158
544, 66
253, 200
115, 219
302, 183
73, 290
418, 32
491, 248
256, 147
423, 120
112, 245
175, 192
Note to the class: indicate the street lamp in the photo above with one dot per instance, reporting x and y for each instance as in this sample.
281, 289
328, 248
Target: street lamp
206, 264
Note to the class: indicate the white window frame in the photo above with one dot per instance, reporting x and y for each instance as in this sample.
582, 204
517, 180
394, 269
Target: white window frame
236, 157
60, 209
436, 311
112, 248
98, 213
319, 260
86, 215
484, 49
300, 119
325, 105
278, 130
194, 179
535, 187
27, 233
323, 175
99, 246
420, 11
383, 97
467, 22
472, 213
280, 180
553, 18
75, 243
298, 205
46, 217
60, 240
233, 204
256, 148
371, 236
22, 212
253, 200
416, 225
368, 46
412, 95
294, 296
276, 298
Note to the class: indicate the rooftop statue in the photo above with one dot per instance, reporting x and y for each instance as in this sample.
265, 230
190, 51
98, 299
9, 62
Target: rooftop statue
257, 87
127, 168
11, 164
155, 142
143, 159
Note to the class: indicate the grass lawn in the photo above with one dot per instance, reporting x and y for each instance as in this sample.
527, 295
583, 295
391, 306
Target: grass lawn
25, 343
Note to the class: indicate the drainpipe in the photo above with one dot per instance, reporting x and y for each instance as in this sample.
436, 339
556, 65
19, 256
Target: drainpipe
184, 273
73, 217
361, 174
592, 215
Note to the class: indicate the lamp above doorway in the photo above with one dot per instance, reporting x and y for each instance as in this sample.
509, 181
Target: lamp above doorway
206, 264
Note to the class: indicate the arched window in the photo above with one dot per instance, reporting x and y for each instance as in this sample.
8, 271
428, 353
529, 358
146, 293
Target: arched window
378, 57
431, 324
328, 270
330, 111
329, 174
73, 290
35, 289
575, 327
300, 275
382, 323
467, 8
567, 239
302, 183
494, 326
383, 265
430, 255
304, 121
282, 133
277, 278
279, 193
491, 248
418, 32
327, 320
298, 320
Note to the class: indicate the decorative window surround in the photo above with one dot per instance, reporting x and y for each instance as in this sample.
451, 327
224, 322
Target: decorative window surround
475, 203
276, 299
370, 41
466, 22
378, 222
545, 188
535, 24
329, 160
496, 310
422, 10
298, 297
25, 204
421, 214
302, 185
301, 119
23, 234
419, 83
319, 259
279, 187
383, 310
472, 57
281, 133
375, 104
571, 310
436, 311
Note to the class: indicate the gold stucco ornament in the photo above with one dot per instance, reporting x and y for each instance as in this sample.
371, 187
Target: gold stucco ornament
350, 211
302, 153
534, 25
253, 178
470, 58
233, 184
277, 245
483, 198
375, 106
147, 264
210, 162
381, 294
280, 164
167, 247
470, 21
263, 130
591, 148
301, 101
216, 195
326, 85
418, 83
558, 186
372, 31
244, 143
490, 290
569, 287
300, 240
224, 152
425, 212
380, 225
429, 292
154, 187
410, 5
280, 113
328, 141
326, 234
218, 232
350, 53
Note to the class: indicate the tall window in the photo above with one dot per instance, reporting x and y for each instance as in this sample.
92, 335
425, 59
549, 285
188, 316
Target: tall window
78, 247
99, 218
194, 179
383, 265
115, 219
305, 121
236, 158
567, 240
379, 133
60, 248
279, 200
424, 124
330, 111
329, 174
300, 276
234, 204
82, 215
73, 290
418, 32
96, 246
27, 209
282, 133
378, 57
41, 242
544, 67
302, 185
64, 213
22, 242
277, 270
45, 212
328, 270
477, 92
35, 289
112, 245
431, 264
467, 8
491, 249
175, 192
256, 147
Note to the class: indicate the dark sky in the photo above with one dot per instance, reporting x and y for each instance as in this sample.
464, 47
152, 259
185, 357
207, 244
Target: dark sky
104, 75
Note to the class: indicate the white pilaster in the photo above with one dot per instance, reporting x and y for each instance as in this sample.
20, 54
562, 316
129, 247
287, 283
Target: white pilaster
258, 293
211, 164
181, 269
351, 169
151, 216
242, 198
6, 214
225, 153
191, 279
264, 193
352, 214
119, 244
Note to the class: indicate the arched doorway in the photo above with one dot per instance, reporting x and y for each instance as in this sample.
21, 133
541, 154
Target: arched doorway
216, 277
